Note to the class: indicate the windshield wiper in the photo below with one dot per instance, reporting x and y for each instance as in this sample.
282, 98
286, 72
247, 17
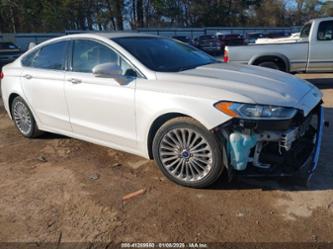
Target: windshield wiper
187, 68
195, 66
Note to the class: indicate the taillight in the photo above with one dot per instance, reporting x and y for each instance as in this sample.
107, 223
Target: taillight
1, 75
226, 55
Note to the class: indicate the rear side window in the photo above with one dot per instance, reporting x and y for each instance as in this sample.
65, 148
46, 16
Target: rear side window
28, 59
51, 56
325, 31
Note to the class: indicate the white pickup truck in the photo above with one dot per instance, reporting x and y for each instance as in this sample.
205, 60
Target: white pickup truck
312, 52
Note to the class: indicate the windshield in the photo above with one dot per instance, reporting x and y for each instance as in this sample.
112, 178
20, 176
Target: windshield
305, 31
164, 55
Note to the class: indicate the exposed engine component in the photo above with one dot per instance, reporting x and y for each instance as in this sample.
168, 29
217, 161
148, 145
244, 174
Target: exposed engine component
242, 142
256, 156
262, 148
240, 148
287, 139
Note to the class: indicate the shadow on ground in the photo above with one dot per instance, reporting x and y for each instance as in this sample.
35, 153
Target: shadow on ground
49, 136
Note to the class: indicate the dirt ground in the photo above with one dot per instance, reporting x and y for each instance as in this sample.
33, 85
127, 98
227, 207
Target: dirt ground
56, 188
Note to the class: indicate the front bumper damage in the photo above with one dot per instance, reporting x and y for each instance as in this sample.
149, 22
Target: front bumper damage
288, 148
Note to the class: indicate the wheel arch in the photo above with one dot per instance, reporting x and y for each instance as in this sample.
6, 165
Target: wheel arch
157, 123
255, 60
207, 117
11, 98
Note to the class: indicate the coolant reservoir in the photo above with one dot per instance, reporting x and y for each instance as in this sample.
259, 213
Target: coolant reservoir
240, 148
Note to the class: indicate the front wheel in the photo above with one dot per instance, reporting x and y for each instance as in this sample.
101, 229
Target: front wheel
187, 153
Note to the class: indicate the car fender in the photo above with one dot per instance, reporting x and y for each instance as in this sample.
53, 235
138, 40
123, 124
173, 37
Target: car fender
12, 84
151, 106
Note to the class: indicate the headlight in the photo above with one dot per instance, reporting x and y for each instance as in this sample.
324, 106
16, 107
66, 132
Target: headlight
251, 111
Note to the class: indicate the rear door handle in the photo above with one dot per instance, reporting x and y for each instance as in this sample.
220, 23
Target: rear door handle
28, 76
75, 81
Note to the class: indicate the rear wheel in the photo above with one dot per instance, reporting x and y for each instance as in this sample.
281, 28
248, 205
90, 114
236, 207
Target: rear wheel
187, 153
23, 118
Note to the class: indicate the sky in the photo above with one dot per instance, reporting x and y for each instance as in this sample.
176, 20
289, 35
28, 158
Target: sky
292, 3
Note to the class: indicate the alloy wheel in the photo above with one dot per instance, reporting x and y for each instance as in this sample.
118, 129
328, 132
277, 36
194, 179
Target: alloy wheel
22, 117
186, 154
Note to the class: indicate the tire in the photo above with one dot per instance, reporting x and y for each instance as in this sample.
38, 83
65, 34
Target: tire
23, 118
270, 64
187, 153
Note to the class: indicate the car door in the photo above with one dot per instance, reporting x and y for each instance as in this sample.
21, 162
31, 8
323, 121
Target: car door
321, 48
43, 85
100, 108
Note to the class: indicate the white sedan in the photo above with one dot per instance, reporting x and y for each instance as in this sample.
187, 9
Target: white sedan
167, 101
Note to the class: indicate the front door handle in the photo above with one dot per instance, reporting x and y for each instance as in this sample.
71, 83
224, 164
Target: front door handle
28, 76
75, 81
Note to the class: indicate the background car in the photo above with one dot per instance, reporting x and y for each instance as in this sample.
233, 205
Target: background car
184, 39
209, 44
230, 39
277, 34
290, 39
252, 37
8, 52
311, 51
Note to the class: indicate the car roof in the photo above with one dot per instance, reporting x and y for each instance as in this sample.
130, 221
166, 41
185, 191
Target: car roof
329, 18
96, 35
111, 35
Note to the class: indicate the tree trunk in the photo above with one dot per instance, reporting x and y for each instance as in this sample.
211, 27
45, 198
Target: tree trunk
119, 14
139, 11
12, 18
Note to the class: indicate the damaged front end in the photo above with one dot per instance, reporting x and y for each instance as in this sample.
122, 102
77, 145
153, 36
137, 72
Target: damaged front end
273, 148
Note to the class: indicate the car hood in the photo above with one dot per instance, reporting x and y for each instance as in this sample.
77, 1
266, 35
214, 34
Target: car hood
232, 82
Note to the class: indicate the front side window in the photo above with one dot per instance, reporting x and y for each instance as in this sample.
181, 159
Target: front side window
50, 56
325, 31
87, 54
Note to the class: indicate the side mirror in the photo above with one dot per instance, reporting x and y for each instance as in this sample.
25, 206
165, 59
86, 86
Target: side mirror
107, 70
111, 70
